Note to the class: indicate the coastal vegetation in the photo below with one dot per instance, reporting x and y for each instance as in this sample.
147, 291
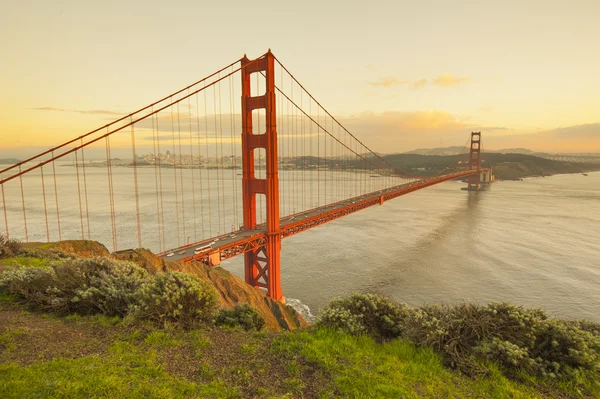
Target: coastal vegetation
79, 322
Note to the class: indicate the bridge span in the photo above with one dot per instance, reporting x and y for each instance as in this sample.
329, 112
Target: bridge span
205, 133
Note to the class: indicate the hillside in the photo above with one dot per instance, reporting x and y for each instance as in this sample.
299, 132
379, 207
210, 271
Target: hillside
363, 346
505, 166
230, 289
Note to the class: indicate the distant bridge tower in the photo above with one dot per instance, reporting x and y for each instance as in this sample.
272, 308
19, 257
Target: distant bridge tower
261, 266
475, 161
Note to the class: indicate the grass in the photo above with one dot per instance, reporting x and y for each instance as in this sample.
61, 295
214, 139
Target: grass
22, 261
85, 356
126, 371
361, 368
8, 339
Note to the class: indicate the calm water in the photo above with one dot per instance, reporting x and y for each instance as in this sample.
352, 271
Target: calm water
532, 242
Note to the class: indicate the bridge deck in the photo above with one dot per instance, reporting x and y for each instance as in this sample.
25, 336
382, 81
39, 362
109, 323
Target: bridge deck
239, 242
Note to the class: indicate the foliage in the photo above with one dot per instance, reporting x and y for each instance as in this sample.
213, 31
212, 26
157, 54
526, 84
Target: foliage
86, 286
9, 247
178, 298
365, 314
455, 330
242, 315
469, 336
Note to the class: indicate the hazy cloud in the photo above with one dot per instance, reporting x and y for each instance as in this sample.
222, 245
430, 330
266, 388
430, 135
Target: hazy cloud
401, 131
447, 80
80, 111
419, 84
388, 82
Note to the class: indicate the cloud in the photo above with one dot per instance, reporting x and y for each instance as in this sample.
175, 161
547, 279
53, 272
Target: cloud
419, 84
388, 82
80, 111
401, 131
447, 80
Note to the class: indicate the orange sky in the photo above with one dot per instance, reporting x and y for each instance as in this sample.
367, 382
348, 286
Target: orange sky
402, 75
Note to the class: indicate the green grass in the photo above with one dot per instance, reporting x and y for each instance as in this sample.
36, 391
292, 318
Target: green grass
8, 339
328, 363
23, 261
126, 371
162, 339
361, 368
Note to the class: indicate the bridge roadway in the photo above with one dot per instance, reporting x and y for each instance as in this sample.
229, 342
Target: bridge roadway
241, 241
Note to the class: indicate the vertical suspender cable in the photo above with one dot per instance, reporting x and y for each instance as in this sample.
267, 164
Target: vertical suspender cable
23, 203
162, 205
135, 183
192, 163
200, 169
79, 196
219, 214
174, 160
85, 192
56, 199
110, 193
155, 163
210, 232
185, 240
232, 155
222, 159
5, 216
45, 205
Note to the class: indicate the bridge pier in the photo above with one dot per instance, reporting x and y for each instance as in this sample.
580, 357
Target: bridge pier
261, 266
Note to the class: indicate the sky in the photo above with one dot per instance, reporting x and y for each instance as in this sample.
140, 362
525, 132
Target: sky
399, 74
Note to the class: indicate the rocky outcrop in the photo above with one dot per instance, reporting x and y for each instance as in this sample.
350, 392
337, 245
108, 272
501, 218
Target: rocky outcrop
231, 289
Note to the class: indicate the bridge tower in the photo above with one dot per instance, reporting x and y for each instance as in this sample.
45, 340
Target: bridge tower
475, 161
261, 266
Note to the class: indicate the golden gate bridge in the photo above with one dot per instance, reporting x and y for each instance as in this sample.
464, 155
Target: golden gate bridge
237, 177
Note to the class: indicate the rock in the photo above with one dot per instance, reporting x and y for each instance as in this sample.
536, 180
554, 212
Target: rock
231, 289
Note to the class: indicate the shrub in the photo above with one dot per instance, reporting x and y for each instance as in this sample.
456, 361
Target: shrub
455, 330
561, 349
365, 314
30, 283
9, 247
86, 286
178, 298
242, 315
98, 285
468, 335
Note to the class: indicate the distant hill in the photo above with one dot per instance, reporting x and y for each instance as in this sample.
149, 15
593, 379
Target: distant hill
510, 166
454, 150
566, 157
9, 161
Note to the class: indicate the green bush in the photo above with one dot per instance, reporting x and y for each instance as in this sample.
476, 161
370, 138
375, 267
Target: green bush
561, 349
365, 314
242, 315
9, 247
469, 335
29, 283
98, 285
177, 298
85, 286
455, 330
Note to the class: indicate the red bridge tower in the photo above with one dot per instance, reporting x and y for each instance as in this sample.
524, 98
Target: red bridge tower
261, 266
